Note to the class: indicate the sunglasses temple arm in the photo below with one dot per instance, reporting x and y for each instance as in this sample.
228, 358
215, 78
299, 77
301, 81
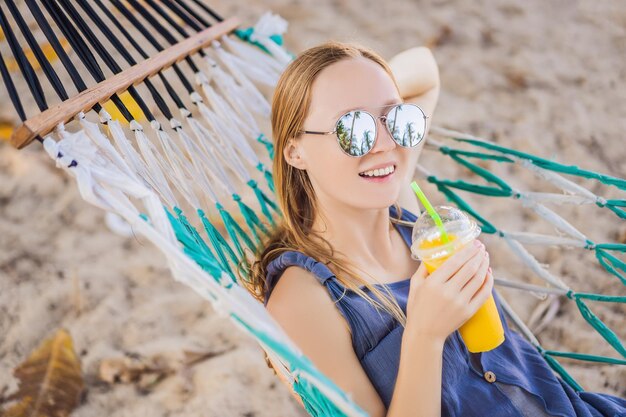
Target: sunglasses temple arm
318, 133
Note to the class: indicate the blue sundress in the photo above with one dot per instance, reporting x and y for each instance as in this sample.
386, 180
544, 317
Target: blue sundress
511, 380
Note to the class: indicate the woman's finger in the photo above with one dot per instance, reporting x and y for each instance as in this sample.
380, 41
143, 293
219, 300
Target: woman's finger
477, 279
468, 270
454, 263
483, 292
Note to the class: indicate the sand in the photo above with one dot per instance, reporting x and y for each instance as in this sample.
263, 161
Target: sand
545, 78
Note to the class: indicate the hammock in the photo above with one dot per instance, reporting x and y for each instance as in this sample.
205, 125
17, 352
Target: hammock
197, 184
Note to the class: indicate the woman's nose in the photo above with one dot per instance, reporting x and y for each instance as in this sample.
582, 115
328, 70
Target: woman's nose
384, 141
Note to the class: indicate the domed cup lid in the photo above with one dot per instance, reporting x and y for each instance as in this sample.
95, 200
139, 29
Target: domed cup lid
426, 237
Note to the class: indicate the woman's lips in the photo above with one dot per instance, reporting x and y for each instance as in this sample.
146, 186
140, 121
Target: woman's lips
385, 178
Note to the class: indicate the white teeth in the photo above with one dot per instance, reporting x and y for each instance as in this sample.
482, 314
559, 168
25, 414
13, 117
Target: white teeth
378, 172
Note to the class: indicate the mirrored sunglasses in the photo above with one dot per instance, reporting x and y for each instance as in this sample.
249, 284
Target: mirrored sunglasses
357, 130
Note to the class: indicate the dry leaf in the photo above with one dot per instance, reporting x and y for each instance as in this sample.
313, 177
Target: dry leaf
50, 380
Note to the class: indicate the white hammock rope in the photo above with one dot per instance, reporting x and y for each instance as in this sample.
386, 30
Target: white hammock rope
123, 145
181, 174
254, 95
219, 145
231, 92
202, 157
251, 53
252, 72
225, 126
270, 24
529, 287
154, 167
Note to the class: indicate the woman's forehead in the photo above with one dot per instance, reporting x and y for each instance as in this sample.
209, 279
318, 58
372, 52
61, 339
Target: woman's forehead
356, 83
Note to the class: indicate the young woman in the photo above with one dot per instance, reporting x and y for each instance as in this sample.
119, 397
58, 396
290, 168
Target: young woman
338, 276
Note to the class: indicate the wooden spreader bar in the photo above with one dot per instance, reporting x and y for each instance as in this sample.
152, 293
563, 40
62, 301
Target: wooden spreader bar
45, 122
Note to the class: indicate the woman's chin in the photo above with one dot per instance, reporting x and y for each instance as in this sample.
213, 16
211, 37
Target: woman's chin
379, 200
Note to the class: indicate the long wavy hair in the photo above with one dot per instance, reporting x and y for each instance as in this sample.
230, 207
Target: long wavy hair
294, 191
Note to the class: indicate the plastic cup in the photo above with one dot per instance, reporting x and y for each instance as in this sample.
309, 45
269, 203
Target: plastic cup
483, 331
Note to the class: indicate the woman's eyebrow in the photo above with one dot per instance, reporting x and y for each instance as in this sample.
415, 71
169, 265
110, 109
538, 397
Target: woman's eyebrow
387, 103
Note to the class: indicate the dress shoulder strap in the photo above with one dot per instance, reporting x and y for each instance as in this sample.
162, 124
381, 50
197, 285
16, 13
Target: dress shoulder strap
405, 214
290, 258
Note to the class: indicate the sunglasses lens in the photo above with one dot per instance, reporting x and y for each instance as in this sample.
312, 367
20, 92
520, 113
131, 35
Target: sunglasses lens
356, 132
407, 124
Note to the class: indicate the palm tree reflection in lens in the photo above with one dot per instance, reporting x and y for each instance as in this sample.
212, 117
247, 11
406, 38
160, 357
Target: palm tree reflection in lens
362, 134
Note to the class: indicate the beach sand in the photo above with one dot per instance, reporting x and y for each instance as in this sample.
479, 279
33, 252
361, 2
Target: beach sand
542, 77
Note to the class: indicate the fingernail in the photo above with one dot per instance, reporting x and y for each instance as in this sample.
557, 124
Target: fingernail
477, 243
489, 270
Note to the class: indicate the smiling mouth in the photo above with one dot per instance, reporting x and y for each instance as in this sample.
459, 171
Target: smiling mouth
378, 173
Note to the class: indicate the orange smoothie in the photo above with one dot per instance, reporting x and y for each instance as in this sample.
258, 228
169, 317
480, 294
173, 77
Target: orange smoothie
483, 331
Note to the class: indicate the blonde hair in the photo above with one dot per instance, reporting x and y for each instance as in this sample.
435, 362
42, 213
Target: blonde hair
294, 191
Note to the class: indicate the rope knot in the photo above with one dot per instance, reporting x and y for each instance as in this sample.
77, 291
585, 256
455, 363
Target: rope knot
600, 202
570, 294
175, 124
105, 117
252, 183
201, 78
135, 126
590, 245
445, 150
236, 197
184, 112
195, 98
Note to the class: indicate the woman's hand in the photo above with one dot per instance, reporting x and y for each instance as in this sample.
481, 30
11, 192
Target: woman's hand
441, 302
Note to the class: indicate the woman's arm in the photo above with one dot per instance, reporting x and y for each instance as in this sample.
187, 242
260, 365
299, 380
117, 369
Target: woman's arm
302, 307
417, 76
418, 385
304, 310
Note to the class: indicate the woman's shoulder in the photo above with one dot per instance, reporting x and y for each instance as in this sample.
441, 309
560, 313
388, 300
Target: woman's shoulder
279, 267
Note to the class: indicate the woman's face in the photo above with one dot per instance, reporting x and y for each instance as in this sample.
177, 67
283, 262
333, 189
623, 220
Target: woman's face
356, 83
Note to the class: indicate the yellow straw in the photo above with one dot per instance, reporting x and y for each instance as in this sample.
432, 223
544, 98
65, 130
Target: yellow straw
431, 211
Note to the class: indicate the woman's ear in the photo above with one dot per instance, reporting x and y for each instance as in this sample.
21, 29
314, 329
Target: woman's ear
293, 155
